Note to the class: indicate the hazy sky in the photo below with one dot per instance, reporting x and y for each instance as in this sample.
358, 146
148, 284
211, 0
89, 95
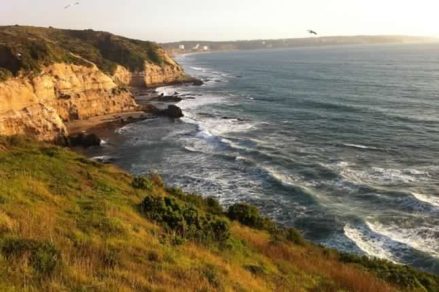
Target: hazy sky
173, 20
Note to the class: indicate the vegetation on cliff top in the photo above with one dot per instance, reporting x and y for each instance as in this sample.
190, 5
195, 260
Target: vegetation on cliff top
67, 223
27, 49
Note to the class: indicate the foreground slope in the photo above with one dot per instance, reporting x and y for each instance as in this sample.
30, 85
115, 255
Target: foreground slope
67, 223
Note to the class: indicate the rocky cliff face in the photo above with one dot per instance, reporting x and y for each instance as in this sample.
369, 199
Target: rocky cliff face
81, 74
38, 106
167, 72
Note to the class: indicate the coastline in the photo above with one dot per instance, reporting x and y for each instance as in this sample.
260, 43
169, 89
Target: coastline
354, 233
147, 99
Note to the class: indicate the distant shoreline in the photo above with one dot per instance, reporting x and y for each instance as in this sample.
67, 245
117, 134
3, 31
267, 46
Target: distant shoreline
201, 47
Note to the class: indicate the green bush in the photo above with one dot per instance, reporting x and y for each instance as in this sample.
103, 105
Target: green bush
250, 216
255, 269
28, 49
142, 183
403, 276
5, 74
247, 215
211, 273
286, 234
209, 205
44, 257
185, 220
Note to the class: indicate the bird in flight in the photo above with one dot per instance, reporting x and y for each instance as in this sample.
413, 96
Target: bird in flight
312, 32
71, 5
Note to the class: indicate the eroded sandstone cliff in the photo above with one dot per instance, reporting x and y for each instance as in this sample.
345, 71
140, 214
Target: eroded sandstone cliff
39, 105
51, 76
167, 72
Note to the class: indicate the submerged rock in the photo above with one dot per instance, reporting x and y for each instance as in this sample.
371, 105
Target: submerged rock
168, 98
197, 82
172, 111
84, 140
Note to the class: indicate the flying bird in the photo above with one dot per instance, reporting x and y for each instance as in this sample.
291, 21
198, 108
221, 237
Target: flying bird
71, 5
312, 32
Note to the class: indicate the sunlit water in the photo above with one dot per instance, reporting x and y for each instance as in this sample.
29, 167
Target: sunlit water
342, 143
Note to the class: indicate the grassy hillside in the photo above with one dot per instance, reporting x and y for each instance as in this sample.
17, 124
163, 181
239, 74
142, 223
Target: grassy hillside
67, 223
27, 49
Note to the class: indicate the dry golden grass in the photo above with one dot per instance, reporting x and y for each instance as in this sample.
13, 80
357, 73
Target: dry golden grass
89, 212
312, 261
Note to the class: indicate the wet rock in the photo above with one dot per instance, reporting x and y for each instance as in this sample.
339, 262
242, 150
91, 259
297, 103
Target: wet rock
172, 111
84, 140
168, 98
197, 82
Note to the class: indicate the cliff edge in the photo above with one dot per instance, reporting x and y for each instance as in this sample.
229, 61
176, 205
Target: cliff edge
50, 76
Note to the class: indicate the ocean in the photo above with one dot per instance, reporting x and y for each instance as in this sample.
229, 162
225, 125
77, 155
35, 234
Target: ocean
340, 142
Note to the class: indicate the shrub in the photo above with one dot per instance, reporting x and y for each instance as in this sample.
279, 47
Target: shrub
247, 215
255, 269
5, 74
28, 50
213, 206
110, 258
184, 220
142, 183
289, 234
154, 256
210, 272
250, 216
400, 275
44, 257
156, 179
209, 204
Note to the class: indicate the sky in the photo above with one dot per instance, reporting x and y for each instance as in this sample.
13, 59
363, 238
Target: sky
219, 20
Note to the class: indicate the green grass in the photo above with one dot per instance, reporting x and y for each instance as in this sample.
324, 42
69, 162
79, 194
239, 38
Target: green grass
67, 223
28, 49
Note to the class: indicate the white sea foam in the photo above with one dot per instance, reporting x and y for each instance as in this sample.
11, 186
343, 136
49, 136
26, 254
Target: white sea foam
103, 158
241, 158
188, 104
190, 149
358, 146
378, 175
124, 129
422, 238
166, 91
369, 243
205, 134
198, 68
432, 200
281, 176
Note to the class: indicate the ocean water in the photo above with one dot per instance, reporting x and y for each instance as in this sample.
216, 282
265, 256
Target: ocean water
339, 142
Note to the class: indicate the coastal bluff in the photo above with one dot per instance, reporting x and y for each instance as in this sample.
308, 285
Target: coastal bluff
49, 77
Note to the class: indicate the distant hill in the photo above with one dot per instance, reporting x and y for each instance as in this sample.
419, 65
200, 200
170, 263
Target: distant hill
194, 46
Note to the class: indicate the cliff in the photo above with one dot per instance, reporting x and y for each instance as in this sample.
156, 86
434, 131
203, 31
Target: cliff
39, 106
70, 224
51, 76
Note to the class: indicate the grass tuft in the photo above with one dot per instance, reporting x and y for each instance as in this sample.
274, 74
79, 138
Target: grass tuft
43, 256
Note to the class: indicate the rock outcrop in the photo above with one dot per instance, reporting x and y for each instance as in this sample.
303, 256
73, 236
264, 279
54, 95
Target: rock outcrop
172, 111
38, 106
52, 76
153, 75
